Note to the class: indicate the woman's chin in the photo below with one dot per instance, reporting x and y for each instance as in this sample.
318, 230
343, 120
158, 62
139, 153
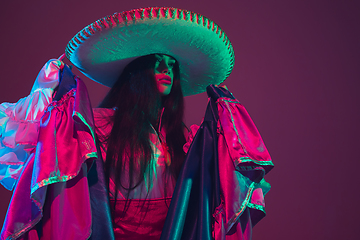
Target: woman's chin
164, 89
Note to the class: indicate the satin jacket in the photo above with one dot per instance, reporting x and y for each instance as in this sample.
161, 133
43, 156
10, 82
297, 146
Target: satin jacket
221, 188
61, 192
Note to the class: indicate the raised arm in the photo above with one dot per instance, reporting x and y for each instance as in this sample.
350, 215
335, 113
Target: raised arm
19, 123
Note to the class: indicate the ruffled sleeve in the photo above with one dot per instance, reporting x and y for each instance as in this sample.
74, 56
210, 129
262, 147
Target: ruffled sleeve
243, 163
19, 123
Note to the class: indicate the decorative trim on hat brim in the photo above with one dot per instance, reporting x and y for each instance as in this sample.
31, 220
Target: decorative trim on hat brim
205, 55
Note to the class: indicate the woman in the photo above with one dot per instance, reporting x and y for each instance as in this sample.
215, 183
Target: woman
145, 103
130, 150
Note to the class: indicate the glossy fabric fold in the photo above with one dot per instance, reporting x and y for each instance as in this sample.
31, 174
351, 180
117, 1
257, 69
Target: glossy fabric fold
54, 184
62, 194
244, 157
20, 122
63, 136
226, 161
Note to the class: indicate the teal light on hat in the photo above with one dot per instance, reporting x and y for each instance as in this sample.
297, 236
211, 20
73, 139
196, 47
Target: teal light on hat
102, 49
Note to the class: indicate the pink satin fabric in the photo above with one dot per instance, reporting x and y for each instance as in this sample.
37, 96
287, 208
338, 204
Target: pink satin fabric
243, 162
68, 144
143, 219
19, 124
243, 139
66, 212
53, 186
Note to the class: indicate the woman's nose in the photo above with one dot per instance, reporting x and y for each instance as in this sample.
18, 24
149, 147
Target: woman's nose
165, 68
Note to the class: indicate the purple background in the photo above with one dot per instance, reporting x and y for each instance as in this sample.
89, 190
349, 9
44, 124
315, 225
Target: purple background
297, 72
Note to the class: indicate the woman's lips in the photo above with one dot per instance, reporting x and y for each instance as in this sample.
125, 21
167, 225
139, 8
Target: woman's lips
164, 79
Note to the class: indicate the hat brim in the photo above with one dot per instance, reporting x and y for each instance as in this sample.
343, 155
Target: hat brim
102, 49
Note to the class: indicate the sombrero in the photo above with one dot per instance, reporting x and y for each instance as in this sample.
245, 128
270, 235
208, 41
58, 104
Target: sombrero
102, 49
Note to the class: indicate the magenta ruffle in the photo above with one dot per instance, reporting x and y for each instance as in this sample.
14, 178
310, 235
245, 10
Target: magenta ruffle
19, 123
243, 163
53, 185
19, 126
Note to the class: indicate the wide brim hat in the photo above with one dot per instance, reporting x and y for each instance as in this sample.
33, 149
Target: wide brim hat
103, 49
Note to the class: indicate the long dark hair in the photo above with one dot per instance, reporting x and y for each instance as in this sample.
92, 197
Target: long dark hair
137, 103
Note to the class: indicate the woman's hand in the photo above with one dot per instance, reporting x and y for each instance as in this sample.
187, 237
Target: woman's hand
222, 86
49, 75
